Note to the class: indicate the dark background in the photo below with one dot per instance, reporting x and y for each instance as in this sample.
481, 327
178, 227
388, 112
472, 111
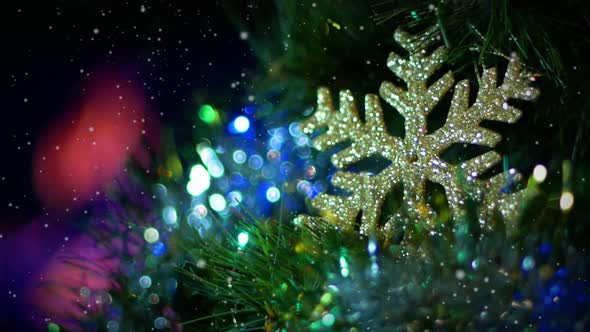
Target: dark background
51, 49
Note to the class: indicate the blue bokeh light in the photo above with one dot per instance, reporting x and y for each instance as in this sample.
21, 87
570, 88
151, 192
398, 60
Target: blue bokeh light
239, 125
159, 249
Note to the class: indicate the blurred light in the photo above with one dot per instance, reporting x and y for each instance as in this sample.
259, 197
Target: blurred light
169, 215
160, 323
239, 156
328, 320
85, 292
215, 168
199, 180
224, 183
372, 247
255, 161
273, 155
566, 201
320, 186
239, 125
286, 168
201, 224
154, 298
528, 263
539, 173
52, 327
200, 211
160, 190
249, 109
234, 197
303, 152
344, 271
276, 142
217, 202
269, 171
326, 299
238, 181
305, 187
159, 249
145, 282
208, 114
460, 274
205, 152
209, 158
151, 235
310, 172
302, 140
243, 238
282, 133
113, 326
273, 194
294, 129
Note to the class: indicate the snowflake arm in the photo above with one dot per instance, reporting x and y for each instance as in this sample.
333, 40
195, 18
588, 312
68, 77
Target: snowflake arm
367, 192
415, 159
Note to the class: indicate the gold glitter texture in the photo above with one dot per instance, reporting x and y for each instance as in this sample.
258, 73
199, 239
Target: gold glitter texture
416, 158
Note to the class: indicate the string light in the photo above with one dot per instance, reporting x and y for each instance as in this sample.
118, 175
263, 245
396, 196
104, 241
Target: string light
273, 194
566, 201
239, 125
539, 173
200, 180
169, 215
239, 157
145, 282
208, 114
243, 239
217, 202
151, 235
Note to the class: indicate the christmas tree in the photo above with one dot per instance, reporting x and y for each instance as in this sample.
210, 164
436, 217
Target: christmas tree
452, 198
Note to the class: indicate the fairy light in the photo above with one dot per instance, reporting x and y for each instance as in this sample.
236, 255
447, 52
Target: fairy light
159, 249
566, 201
239, 157
243, 239
234, 198
328, 320
200, 180
372, 249
200, 211
217, 202
169, 215
151, 235
255, 161
211, 161
145, 281
208, 114
539, 173
273, 194
239, 125
372, 246
344, 271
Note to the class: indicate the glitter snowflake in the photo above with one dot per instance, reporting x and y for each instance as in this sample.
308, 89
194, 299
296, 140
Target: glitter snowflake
416, 158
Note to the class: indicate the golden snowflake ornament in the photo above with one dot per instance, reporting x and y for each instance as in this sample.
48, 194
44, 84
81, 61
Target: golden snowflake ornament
416, 159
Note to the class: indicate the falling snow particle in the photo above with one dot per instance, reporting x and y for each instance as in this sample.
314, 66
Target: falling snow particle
243, 35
